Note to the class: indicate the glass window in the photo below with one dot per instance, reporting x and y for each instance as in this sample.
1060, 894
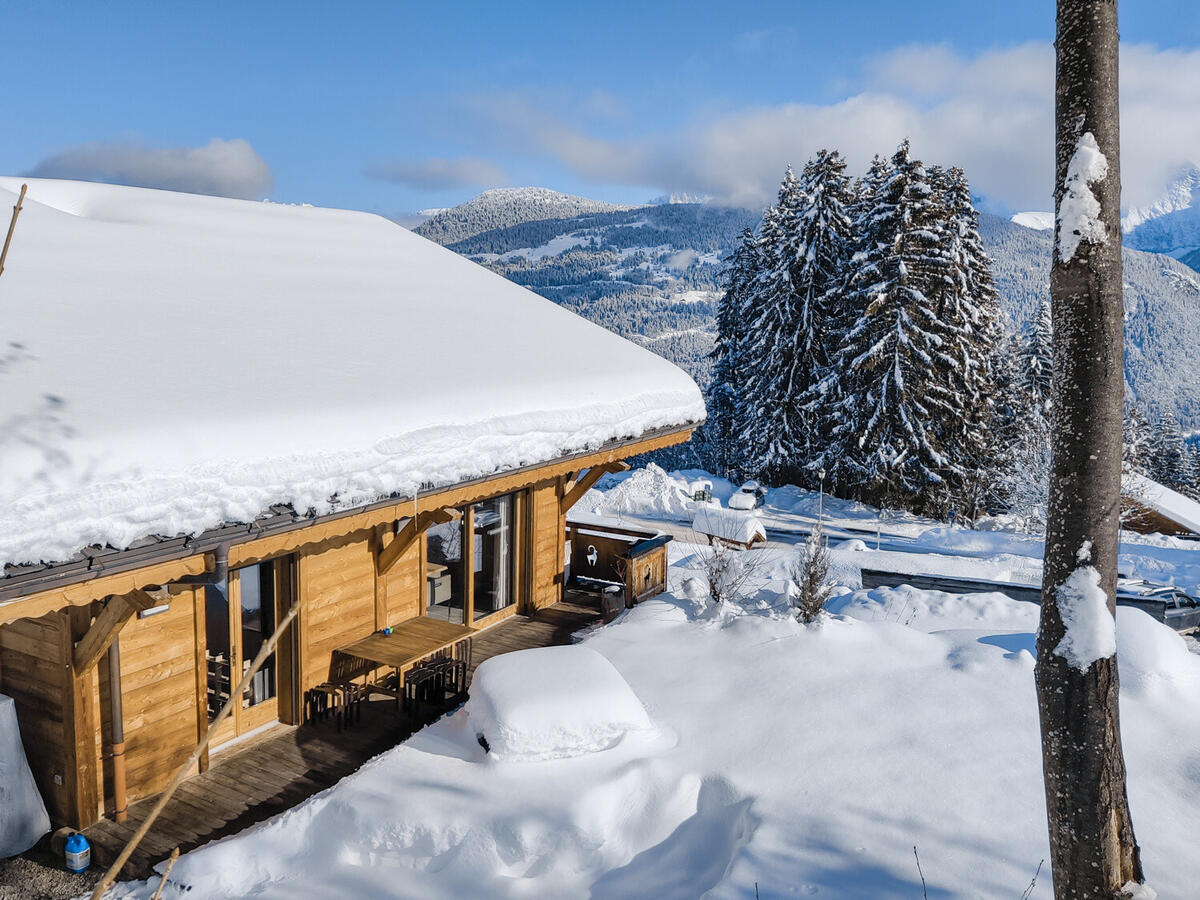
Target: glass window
491, 556
445, 572
257, 584
216, 624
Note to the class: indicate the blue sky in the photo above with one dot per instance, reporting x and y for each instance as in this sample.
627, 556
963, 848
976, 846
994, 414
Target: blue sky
397, 106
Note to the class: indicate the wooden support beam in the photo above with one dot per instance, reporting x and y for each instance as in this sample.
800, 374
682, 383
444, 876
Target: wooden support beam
587, 480
112, 618
414, 528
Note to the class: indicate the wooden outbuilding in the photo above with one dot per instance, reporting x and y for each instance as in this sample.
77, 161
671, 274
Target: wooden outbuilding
398, 461
606, 551
1152, 508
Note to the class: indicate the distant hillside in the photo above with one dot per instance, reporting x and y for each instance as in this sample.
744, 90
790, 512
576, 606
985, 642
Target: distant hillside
653, 274
504, 207
1162, 313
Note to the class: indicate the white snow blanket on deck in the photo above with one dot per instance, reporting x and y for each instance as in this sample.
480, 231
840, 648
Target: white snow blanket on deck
23, 816
170, 362
552, 702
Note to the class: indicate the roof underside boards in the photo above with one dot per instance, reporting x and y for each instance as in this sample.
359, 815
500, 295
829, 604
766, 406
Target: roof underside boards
171, 362
1167, 503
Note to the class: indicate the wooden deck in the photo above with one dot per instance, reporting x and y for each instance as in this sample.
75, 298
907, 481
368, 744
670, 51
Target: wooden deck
274, 771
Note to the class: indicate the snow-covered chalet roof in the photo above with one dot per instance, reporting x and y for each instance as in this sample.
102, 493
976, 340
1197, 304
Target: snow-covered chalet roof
171, 362
1167, 503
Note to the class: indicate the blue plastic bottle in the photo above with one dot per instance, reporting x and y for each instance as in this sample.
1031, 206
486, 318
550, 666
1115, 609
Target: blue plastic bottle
78, 853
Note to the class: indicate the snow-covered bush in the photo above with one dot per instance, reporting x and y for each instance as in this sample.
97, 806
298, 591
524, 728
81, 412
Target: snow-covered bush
727, 570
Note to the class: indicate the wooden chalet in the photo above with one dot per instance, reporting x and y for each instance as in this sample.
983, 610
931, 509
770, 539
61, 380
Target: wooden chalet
434, 524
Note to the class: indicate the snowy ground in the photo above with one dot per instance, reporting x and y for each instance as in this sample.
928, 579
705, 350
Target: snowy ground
798, 760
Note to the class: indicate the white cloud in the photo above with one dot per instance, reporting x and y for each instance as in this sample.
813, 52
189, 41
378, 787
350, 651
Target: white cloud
220, 168
992, 114
437, 174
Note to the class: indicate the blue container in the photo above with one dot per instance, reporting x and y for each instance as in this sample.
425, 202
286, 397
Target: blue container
78, 854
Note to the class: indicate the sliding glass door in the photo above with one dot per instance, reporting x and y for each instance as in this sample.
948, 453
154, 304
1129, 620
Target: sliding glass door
492, 555
469, 562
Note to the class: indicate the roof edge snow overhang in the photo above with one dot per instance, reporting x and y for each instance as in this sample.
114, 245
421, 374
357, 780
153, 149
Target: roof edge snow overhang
278, 520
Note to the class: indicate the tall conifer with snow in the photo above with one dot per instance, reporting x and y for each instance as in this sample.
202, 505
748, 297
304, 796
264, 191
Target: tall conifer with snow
804, 243
895, 388
723, 428
771, 427
1037, 359
968, 316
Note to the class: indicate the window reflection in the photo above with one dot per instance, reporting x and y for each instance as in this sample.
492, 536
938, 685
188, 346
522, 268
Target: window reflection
445, 572
491, 557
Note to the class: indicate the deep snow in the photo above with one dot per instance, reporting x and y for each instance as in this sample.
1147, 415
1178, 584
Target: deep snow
801, 760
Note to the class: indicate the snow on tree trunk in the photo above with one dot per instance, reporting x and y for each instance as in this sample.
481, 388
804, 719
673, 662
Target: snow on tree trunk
1092, 846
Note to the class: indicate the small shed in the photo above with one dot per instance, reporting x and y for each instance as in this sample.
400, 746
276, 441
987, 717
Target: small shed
734, 527
609, 551
1153, 508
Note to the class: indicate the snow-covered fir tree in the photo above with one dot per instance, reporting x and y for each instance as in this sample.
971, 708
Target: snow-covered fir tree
899, 382
1168, 460
770, 427
1138, 436
723, 428
803, 249
968, 314
1037, 359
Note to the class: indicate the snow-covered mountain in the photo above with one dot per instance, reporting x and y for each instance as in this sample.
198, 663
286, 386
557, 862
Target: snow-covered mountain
504, 207
1171, 224
653, 274
1038, 221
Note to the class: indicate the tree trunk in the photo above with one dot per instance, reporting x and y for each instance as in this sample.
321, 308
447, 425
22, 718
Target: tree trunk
1092, 847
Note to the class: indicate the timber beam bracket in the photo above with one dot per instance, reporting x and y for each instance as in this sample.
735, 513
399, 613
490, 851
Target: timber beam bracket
587, 480
413, 529
119, 610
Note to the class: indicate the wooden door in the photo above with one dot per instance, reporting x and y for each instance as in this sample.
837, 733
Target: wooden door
254, 599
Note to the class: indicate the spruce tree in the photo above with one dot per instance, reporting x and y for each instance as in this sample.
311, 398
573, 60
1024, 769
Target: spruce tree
1037, 359
968, 321
892, 375
1167, 456
723, 428
772, 428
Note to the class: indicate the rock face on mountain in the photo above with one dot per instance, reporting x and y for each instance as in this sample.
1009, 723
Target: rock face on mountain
653, 274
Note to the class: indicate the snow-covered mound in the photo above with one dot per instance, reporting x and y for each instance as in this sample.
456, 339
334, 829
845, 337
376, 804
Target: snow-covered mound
172, 362
649, 492
552, 702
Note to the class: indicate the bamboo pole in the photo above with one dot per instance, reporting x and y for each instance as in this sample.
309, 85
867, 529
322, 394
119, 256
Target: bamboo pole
11, 226
235, 696
166, 874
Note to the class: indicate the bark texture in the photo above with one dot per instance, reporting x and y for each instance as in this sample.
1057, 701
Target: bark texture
1092, 845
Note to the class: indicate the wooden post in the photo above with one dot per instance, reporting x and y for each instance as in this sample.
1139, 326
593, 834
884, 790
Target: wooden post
11, 226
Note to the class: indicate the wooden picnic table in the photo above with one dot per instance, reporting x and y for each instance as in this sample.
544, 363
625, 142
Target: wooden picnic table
409, 643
